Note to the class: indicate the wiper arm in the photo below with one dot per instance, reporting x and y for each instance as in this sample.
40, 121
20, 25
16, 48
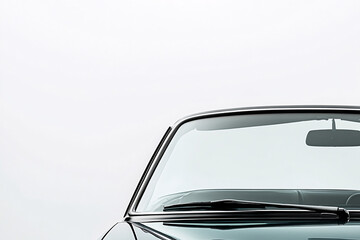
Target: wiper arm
231, 204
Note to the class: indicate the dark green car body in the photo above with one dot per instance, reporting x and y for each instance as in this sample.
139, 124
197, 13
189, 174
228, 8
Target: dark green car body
253, 213
160, 230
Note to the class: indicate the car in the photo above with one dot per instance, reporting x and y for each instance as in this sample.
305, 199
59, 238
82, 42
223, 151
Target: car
283, 172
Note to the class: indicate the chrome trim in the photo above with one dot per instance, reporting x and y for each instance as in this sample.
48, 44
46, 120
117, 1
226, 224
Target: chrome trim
267, 108
145, 173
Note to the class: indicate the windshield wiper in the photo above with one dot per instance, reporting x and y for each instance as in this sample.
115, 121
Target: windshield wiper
231, 204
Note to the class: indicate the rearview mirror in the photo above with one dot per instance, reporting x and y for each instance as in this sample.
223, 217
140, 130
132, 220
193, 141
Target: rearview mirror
333, 138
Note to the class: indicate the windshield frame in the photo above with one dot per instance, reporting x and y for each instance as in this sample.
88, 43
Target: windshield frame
170, 133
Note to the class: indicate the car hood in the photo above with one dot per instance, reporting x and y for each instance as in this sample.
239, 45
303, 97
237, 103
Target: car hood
167, 231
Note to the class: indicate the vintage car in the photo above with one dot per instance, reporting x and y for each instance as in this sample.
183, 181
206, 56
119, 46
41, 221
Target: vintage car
290, 172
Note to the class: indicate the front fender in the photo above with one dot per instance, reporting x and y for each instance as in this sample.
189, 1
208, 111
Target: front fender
120, 230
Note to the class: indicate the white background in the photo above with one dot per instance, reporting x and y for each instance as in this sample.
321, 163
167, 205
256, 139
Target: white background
87, 88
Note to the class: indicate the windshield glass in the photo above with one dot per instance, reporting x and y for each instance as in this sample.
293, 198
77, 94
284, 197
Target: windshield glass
260, 157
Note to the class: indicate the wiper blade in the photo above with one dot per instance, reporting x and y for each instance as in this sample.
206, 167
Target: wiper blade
231, 204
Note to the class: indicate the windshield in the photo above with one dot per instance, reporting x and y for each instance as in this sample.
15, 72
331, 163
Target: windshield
277, 157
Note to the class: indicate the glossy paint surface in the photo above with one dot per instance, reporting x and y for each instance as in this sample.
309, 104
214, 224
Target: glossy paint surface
167, 231
261, 233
